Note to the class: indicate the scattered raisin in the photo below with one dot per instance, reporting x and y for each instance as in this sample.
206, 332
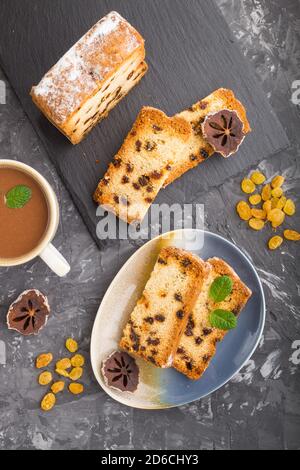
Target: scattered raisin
138, 145
206, 358
136, 186
130, 75
204, 153
206, 331
198, 340
157, 128
129, 168
161, 261
180, 314
125, 179
144, 180
149, 146
117, 162
186, 262
189, 365
116, 199
149, 320
160, 318
180, 350
178, 297
153, 342
156, 175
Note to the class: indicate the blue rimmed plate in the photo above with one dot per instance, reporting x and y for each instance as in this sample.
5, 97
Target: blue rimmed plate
165, 388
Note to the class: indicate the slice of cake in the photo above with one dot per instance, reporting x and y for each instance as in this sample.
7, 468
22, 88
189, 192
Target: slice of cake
198, 148
142, 164
92, 77
160, 316
197, 345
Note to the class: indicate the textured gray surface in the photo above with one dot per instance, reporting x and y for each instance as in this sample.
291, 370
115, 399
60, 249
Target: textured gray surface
164, 25
260, 407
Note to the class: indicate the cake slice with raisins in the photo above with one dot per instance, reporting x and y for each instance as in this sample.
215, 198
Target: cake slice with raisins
142, 164
92, 77
197, 345
198, 149
160, 316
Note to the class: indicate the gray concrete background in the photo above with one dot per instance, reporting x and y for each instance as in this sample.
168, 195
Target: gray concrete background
260, 407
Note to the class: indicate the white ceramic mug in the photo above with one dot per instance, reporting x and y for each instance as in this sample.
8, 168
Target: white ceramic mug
49, 254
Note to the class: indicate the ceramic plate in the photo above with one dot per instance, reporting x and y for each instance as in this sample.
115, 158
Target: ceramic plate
165, 388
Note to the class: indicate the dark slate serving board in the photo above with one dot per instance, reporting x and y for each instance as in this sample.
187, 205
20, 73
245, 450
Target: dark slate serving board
190, 52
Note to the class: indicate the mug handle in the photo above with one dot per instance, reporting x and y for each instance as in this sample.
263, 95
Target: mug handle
52, 257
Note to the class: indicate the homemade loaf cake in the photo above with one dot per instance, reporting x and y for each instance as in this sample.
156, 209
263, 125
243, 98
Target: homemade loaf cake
143, 163
198, 149
160, 316
197, 345
92, 77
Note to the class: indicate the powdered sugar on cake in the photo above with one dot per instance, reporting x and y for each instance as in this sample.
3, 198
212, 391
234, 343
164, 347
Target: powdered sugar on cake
77, 75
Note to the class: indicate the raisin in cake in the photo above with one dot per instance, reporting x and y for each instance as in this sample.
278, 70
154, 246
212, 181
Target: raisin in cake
160, 316
142, 165
197, 345
198, 149
92, 77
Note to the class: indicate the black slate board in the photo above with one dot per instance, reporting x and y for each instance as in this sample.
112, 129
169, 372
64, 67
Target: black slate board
190, 52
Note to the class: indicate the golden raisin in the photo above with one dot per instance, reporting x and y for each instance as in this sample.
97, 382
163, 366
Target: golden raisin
76, 373
77, 360
291, 235
64, 364
255, 199
48, 402
45, 378
277, 182
258, 178
277, 192
248, 186
256, 224
274, 202
276, 217
58, 386
281, 202
275, 242
62, 372
75, 388
259, 214
289, 207
244, 211
71, 345
266, 192
43, 360
267, 206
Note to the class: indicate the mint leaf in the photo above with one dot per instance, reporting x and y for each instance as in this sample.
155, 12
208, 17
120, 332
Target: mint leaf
223, 319
17, 197
220, 288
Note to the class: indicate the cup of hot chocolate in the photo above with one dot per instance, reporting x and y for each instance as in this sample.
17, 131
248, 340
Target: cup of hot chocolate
29, 217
